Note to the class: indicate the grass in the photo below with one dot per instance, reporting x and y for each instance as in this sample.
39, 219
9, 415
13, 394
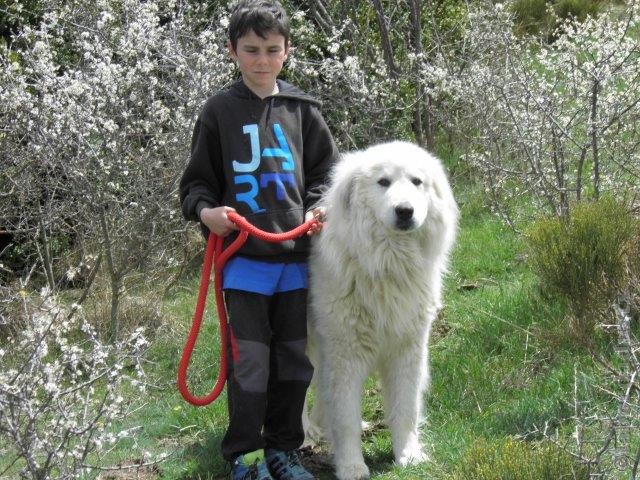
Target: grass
498, 373
501, 370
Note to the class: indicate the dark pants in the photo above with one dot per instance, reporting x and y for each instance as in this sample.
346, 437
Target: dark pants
269, 372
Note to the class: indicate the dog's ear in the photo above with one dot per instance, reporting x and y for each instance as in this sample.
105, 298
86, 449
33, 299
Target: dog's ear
441, 185
344, 182
443, 192
346, 194
440, 188
439, 181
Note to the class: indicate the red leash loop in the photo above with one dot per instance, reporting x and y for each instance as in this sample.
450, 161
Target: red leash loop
216, 256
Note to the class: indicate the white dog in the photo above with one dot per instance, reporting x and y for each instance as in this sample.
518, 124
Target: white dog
376, 282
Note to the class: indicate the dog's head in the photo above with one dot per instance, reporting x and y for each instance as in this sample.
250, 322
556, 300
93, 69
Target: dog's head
399, 184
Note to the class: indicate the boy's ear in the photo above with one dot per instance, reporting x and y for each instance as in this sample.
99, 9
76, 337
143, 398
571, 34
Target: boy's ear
232, 52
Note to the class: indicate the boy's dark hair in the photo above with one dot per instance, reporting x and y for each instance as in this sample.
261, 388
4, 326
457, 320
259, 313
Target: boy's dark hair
261, 16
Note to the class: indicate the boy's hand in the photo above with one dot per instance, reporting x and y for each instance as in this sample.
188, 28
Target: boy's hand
216, 220
319, 213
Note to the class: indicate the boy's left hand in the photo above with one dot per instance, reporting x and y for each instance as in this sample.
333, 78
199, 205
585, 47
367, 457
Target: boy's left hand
319, 214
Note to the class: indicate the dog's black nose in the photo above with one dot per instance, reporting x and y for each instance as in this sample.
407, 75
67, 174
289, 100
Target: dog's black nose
404, 212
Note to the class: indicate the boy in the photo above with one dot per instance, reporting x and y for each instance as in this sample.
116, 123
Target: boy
261, 148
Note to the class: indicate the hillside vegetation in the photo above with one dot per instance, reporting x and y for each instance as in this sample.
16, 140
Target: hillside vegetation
533, 107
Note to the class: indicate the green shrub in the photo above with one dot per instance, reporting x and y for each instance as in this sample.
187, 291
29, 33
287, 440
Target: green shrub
578, 9
133, 311
531, 16
544, 16
582, 258
633, 271
510, 459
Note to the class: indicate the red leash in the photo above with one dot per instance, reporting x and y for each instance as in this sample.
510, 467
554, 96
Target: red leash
214, 254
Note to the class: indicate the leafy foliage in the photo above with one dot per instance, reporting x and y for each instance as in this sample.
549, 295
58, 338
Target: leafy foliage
517, 460
590, 261
542, 17
583, 257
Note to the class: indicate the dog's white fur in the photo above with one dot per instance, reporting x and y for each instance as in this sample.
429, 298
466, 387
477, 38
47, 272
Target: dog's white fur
376, 282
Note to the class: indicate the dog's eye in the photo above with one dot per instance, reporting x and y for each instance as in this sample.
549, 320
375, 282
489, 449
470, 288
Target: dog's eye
384, 182
416, 181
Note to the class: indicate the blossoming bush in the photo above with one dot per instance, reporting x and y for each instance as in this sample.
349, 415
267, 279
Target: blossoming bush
553, 123
97, 106
361, 103
61, 388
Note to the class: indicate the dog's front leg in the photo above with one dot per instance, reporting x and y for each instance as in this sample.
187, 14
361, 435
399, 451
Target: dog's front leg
404, 381
341, 382
313, 419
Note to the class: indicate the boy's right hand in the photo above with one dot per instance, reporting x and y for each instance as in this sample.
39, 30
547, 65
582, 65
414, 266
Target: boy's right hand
217, 221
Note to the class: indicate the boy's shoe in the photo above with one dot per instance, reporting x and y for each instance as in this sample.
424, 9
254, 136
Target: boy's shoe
286, 465
250, 466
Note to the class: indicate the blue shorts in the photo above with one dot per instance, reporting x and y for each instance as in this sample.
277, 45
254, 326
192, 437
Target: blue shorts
263, 277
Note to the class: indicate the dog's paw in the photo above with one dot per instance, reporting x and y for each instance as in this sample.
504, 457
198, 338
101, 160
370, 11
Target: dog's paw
309, 442
412, 455
354, 471
314, 435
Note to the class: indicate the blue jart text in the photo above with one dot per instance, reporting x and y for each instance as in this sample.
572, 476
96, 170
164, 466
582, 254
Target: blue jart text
245, 171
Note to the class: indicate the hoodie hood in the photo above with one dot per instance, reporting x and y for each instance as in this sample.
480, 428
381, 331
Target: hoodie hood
285, 90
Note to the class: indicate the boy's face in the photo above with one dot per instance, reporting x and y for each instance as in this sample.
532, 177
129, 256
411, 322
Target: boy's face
260, 60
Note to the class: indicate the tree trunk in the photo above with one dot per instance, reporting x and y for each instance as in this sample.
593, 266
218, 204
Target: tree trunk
416, 47
45, 252
387, 48
423, 126
318, 11
114, 275
559, 166
594, 139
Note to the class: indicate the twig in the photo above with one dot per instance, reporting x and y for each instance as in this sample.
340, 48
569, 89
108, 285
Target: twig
130, 467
